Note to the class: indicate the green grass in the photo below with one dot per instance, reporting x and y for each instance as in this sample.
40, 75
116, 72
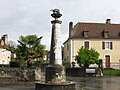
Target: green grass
111, 72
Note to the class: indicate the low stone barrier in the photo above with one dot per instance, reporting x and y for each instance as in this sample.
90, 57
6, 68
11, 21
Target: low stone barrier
77, 72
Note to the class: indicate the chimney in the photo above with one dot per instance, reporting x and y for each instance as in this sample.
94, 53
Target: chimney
70, 29
108, 21
5, 39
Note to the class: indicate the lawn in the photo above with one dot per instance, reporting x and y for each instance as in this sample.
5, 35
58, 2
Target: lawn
111, 72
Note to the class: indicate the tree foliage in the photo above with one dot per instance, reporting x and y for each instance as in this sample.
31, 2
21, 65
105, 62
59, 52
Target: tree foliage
30, 49
86, 57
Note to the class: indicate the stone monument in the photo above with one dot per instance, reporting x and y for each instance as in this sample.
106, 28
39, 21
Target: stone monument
55, 73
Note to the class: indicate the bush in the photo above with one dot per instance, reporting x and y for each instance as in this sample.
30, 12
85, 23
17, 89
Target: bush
14, 64
87, 57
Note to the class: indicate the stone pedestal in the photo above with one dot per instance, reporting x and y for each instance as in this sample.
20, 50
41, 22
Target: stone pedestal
55, 73
51, 86
55, 79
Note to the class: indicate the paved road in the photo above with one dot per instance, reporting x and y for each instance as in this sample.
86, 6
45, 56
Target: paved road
97, 83
83, 83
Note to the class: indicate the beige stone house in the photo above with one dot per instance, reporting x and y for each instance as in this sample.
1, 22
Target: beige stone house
5, 54
104, 37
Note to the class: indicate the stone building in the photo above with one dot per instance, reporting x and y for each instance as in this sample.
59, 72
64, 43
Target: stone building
104, 37
5, 54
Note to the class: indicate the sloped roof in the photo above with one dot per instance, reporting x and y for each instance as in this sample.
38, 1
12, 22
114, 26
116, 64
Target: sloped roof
95, 30
4, 46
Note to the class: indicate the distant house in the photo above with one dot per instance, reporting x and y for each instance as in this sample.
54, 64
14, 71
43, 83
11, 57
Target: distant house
5, 54
104, 37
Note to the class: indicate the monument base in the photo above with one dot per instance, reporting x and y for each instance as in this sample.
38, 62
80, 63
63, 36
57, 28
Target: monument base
53, 86
55, 79
55, 73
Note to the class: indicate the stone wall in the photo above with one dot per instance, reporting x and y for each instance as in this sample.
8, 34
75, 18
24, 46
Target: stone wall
21, 75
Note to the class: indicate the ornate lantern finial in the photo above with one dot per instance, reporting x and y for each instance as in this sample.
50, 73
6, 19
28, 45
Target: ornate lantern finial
56, 13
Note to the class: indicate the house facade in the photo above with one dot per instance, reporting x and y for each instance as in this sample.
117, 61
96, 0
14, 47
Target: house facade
5, 54
104, 37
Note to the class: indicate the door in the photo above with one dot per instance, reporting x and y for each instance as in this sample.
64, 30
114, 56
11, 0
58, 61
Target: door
107, 61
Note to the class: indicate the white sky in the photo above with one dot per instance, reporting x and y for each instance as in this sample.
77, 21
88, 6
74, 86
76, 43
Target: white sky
24, 17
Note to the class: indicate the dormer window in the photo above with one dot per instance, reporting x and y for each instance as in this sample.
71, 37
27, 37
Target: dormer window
106, 34
85, 33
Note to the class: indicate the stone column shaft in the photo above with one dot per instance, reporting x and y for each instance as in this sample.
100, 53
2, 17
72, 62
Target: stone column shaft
56, 53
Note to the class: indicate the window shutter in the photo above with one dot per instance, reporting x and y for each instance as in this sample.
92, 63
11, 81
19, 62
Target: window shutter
103, 45
111, 46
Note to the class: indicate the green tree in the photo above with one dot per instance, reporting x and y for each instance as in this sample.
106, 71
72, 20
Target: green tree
86, 57
29, 49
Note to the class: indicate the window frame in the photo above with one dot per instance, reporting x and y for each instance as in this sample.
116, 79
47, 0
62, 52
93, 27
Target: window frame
86, 34
107, 45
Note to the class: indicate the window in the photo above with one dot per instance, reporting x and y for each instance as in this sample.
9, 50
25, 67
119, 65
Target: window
105, 33
3, 61
107, 45
86, 44
3, 53
85, 33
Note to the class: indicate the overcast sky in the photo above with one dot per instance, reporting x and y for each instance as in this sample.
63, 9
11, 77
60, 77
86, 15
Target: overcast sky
24, 17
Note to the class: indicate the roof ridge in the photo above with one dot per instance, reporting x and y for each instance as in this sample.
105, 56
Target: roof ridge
98, 23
